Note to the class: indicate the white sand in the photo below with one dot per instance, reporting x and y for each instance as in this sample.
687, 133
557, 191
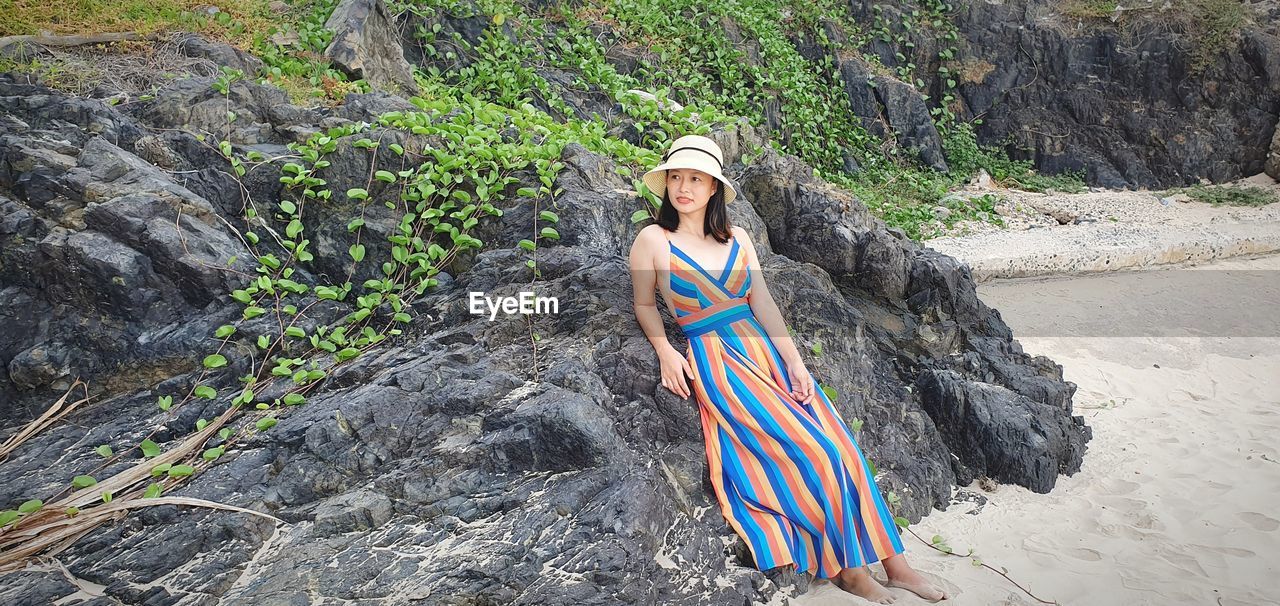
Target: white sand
1176, 502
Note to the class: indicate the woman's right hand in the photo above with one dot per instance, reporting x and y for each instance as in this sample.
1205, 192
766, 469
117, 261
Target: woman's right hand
674, 368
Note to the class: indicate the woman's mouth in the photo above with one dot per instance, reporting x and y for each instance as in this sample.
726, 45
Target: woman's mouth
684, 200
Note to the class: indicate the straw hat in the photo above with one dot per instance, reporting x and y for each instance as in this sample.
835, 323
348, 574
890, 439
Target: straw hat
691, 151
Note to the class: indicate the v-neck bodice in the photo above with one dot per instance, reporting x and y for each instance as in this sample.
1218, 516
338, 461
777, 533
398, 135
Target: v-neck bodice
695, 289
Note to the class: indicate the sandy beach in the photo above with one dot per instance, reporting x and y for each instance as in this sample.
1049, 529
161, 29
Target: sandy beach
1176, 500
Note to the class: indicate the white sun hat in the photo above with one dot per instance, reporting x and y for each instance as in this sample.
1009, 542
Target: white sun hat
691, 151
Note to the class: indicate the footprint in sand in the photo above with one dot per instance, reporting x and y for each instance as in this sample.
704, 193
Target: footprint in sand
1219, 486
1259, 521
1083, 554
1235, 552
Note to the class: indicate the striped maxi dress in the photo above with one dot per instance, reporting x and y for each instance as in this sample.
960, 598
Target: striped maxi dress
790, 477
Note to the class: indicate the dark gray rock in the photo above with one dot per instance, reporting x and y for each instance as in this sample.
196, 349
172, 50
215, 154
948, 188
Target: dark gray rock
456, 464
367, 45
1129, 111
195, 45
1002, 435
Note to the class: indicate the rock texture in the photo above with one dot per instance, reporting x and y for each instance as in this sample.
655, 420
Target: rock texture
452, 466
1128, 110
1273, 159
367, 45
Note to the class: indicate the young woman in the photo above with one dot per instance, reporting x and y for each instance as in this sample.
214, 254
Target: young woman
789, 476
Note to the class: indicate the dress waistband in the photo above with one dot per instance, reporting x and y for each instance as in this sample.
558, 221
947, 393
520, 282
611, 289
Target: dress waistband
716, 315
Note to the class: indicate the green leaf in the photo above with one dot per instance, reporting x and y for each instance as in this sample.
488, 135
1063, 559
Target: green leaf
31, 506
294, 399
212, 453
386, 176
104, 451
265, 423
830, 391
293, 228
817, 349
72, 511
83, 481
288, 207
357, 194
355, 224
901, 521
395, 147
528, 245
253, 312
401, 317
201, 424
294, 331
8, 516
215, 361
160, 469
547, 215
639, 215
206, 392
178, 471
347, 353
225, 330
357, 252
152, 492
550, 232
264, 341
149, 449
106, 496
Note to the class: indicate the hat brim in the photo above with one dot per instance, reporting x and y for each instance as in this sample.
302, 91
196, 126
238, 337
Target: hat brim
656, 180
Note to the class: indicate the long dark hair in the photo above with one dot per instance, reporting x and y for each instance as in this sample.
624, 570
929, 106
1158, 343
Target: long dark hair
714, 222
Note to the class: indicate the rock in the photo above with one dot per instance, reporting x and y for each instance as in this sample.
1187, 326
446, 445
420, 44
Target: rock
1273, 158
352, 511
367, 45
999, 434
194, 45
941, 212
455, 460
1066, 90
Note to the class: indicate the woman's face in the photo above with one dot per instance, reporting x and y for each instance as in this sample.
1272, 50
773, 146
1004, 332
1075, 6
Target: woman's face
689, 189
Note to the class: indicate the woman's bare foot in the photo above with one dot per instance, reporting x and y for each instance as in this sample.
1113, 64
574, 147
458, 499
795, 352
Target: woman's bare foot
901, 575
860, 583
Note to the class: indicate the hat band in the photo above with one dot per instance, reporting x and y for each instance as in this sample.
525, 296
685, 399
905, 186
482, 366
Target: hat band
713, 156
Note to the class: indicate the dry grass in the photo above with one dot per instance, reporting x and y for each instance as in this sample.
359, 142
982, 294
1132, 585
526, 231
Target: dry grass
29, 17
52, 527
1209, 27
130, 67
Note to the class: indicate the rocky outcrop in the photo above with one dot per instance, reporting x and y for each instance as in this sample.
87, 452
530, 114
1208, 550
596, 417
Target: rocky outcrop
1128, 110
453, 461
367, 45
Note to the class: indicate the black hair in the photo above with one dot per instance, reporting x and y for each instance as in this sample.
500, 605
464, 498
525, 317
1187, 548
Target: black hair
714, 222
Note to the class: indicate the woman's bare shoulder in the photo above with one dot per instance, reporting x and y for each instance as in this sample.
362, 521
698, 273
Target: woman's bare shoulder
647, 239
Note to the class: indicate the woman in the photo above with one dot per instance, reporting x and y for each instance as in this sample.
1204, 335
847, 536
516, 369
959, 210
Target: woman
789, 476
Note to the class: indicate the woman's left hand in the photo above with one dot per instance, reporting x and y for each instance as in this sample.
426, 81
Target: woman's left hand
801, 382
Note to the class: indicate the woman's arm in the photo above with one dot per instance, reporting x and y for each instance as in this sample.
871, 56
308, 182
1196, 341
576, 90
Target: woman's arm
643, 282
763, 305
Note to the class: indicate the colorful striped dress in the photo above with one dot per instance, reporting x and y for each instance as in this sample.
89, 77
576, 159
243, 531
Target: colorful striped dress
790, 478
